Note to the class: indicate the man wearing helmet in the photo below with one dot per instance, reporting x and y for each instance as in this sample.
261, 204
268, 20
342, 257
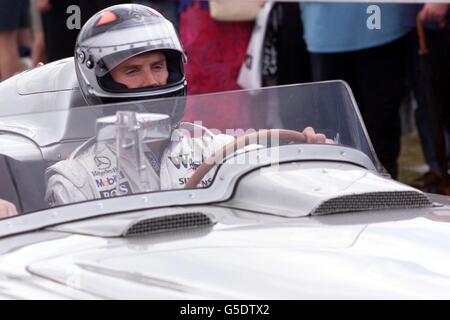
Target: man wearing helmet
125, 53
121, 33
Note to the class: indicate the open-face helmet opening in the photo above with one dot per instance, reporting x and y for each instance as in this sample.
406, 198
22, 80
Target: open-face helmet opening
117, 34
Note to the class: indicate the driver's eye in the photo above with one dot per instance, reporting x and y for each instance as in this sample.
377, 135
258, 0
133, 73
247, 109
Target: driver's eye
157, 67
131, 71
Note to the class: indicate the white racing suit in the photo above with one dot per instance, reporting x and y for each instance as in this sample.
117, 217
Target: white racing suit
92, 170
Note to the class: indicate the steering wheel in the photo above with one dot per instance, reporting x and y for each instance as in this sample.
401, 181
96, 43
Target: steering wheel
241, 142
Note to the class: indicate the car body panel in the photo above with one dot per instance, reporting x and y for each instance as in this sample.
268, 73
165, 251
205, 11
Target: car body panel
302, 188
401, 254
29, 97
262, 236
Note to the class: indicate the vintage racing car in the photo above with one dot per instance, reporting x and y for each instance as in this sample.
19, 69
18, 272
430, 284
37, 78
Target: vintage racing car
277, 218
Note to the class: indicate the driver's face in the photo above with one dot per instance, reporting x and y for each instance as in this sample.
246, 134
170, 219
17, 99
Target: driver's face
148, 69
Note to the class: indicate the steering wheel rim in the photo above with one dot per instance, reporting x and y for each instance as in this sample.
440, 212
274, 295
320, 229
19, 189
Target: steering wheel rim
237, 144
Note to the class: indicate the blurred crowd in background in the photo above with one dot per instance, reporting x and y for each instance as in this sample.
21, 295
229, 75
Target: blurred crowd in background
303, 42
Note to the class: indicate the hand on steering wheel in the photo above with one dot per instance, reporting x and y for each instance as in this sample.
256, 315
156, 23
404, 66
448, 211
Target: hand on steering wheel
7, 209
263, 136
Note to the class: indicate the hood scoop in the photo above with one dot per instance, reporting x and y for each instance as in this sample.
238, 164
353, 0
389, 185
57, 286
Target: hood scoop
168, 223
141, 223
321, 188
373, 201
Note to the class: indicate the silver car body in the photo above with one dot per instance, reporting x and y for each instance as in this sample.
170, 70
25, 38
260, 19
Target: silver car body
303, 221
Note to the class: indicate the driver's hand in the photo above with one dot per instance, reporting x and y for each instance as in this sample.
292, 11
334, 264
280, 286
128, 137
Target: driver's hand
7, 209
313, 137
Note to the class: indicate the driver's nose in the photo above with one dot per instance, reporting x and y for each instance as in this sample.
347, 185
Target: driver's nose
150, 79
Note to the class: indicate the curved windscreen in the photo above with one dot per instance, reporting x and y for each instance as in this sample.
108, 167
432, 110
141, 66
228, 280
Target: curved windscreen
55, 158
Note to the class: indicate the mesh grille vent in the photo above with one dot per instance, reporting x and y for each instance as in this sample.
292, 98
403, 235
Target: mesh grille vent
169, 223
374, 201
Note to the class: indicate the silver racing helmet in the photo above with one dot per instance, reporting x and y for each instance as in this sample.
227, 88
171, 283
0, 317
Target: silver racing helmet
116, 34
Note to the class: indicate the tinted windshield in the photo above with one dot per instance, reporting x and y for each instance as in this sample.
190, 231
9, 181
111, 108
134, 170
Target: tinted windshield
98, 152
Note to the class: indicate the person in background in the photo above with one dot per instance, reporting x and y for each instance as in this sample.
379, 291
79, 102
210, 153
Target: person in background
371, 60
221, 45
59, 39
38, 48
286, 59
14, 18
215, 53
435, 18
438, 39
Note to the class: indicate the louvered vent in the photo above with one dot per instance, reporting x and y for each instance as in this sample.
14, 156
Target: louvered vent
373, 201
169, 223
